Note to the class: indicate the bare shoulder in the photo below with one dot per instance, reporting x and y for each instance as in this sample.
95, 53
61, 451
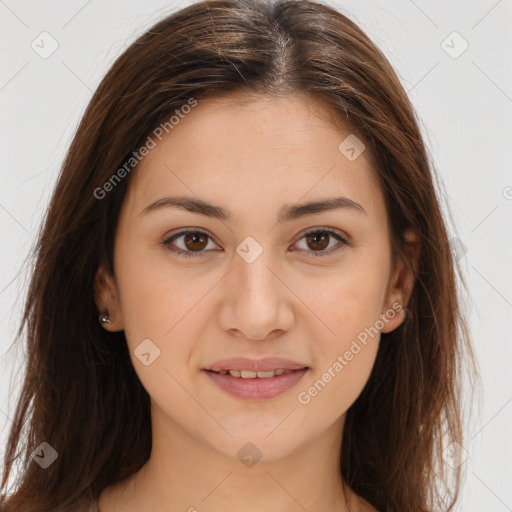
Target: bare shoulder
364, 506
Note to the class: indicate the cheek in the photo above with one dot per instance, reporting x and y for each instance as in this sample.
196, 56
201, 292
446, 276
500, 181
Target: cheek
153, 294
332, 389
347, 300
145, 296
349, 305
160, 313
165, 306
343, 361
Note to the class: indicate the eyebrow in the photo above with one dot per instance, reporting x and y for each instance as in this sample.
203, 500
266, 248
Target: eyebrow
288, 213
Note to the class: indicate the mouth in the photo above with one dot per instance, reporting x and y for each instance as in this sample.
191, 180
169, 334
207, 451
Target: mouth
256, 385
250, 374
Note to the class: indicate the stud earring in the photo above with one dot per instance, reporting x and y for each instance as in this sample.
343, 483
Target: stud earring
104, 319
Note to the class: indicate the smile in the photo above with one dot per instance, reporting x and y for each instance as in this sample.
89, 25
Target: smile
252, 385
248, 374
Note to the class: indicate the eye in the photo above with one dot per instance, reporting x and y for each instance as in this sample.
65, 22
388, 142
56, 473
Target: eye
319, 239
194, 242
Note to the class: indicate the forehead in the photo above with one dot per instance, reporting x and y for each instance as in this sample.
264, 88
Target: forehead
237, 148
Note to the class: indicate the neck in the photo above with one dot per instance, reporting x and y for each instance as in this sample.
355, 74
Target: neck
186, 474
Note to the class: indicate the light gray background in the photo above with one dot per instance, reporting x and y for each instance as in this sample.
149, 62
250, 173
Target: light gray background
465, 107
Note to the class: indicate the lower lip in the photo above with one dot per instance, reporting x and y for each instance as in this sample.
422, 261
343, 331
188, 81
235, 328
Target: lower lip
255, 389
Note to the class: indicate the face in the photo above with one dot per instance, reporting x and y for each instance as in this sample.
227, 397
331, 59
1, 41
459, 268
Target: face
256, 278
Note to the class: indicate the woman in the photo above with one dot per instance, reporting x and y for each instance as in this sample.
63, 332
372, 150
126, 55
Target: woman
244, 296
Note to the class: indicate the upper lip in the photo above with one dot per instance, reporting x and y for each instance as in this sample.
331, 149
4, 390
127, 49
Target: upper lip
256, 365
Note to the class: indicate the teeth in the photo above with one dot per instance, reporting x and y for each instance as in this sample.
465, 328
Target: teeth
266, 375
247, 374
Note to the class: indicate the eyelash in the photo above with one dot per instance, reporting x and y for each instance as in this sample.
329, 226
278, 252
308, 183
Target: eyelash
312, 254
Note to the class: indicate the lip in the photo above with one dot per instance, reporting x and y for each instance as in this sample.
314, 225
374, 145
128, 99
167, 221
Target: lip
257, 389
256, 365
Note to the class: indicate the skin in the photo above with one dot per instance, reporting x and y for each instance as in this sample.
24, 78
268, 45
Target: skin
251, 155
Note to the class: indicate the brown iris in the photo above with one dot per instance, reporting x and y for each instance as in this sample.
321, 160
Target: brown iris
320, 240
195, 241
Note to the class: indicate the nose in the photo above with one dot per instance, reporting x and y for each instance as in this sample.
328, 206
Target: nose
257, 302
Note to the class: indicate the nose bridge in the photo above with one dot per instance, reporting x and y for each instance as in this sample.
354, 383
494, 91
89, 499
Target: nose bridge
256, 299
256, 284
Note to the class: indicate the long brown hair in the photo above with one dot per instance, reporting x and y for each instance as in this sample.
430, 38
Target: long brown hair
81, 394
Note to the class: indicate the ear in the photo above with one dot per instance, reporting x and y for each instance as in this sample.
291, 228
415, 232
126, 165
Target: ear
402, 281
107, 300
